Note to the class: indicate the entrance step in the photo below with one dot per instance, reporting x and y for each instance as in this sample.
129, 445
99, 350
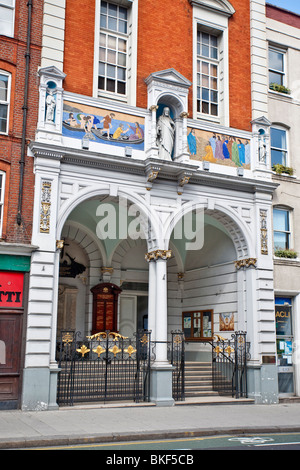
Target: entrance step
198, 379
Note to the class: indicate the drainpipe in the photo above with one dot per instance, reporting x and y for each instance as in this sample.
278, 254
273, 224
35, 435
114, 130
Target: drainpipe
25, 109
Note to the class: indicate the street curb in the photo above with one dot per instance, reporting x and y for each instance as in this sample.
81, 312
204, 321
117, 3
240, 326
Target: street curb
54, 441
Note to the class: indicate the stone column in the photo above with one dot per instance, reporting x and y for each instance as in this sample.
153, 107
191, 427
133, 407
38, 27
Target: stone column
152, 299
161, 320
161, 371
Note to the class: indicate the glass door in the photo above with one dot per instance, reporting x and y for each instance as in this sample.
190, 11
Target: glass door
284, 340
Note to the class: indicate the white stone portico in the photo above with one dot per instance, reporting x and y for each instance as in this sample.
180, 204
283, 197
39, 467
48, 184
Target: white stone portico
231, 270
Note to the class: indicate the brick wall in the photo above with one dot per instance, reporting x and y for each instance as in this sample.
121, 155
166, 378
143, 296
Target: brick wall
12, 60
79, 47
240, 66
164, 41
284, 16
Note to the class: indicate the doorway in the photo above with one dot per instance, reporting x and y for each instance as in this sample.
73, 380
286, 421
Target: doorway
133, 314
284, 340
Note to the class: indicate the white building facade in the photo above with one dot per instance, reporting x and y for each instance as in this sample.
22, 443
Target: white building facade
187, 239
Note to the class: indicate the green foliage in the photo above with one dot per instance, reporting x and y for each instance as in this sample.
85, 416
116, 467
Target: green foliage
279, 88
279, 169
291, 254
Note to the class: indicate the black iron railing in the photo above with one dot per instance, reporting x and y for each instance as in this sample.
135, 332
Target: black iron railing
176, 358
229, 360
103, 367
107, 366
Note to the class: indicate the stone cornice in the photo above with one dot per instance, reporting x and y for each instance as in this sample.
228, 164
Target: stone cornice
171, 171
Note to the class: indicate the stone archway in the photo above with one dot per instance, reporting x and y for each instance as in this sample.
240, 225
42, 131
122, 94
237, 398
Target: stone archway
130, 271
81, 248
207, 279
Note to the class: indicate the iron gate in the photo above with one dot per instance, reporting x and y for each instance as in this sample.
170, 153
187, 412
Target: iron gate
176, 358
229, 361
103, 367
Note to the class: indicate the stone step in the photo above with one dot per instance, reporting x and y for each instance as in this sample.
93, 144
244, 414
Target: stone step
198, 379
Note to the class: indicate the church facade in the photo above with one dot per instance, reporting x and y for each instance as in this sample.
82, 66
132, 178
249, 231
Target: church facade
153, 178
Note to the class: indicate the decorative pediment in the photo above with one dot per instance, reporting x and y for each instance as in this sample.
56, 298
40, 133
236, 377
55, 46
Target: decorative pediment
261, 121
52, 72
169, 76
219, 6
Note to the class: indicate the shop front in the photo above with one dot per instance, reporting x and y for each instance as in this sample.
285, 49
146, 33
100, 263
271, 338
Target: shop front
12, 288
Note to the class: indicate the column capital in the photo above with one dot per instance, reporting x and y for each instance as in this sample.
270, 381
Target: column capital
158, 254
245, 263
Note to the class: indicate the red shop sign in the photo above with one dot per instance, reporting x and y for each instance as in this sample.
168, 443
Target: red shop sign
11, 289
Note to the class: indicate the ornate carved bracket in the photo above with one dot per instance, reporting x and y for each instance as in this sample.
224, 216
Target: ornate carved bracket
60, 244
183, 179
151, 175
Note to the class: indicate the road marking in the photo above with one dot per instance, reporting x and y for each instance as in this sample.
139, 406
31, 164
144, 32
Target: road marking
278, 444
251, 440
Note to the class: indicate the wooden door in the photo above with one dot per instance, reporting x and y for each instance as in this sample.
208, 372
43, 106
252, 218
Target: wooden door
11, 320
10, 354
105, 307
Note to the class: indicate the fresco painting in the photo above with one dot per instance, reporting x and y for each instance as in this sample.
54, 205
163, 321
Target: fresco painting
101, 125
218, 148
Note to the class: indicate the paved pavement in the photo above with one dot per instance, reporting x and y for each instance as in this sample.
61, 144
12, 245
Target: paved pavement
129, 422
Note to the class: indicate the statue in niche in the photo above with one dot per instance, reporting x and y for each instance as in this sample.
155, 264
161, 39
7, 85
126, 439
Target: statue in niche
262, 150
50, 106
165, 133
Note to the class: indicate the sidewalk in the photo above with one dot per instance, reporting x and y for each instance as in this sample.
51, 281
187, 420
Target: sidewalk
117, 422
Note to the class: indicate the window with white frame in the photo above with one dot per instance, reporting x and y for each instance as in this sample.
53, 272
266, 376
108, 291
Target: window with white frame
279, 151
2, 191
4, 101
277, 72
211, 60
207, 73
7, 17
281, 228
113, 49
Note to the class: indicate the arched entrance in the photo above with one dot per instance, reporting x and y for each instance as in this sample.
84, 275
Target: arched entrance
103, 295
207, 295
98, 248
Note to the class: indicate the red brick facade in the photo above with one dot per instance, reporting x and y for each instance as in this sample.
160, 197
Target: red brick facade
165, 40
284, 16
12, 60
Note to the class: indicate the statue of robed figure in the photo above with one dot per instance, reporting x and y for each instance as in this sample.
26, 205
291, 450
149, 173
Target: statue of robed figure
165, 133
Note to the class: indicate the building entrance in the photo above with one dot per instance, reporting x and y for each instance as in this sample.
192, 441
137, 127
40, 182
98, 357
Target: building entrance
284, 340
11, 321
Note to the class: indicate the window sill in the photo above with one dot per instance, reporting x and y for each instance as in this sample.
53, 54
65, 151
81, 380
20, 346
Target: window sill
286, 261
280, 95
283, 175
207, 117
112, 96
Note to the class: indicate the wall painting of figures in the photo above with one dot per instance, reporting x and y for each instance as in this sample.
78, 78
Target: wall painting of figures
102, 125
219, 148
